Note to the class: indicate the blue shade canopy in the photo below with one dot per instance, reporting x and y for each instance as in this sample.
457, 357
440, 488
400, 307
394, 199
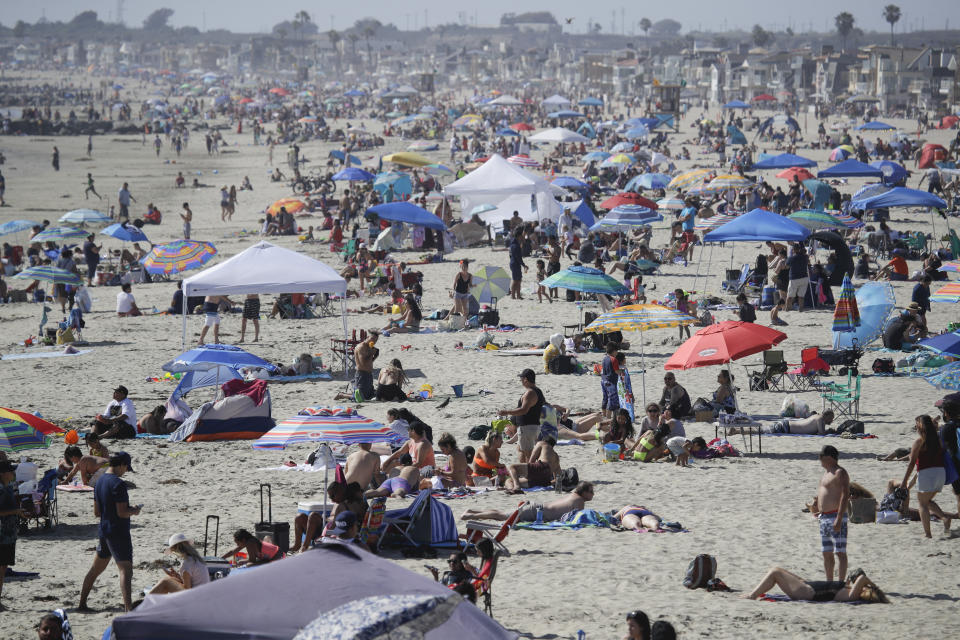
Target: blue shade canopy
736, 104
892, 171
759, 225
125, 232
784, 161
875, 125
16, 226
406, 212
875, 300
900, 197
851, 168
210, 356
353, 174
565, 113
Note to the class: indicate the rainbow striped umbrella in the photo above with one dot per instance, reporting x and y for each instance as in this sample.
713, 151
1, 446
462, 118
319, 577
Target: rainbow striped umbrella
689, 179
950, 265
815, 220
846, 220
711, 223
17, 435
523, 161
50, 274
639, 317
947, 293
178, 256
846, 316
730, 181
322, 424
60, 233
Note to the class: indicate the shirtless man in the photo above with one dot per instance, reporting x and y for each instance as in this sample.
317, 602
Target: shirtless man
363, 356
455, 474
419, 448
833, 495
399, 485
545, 466
573, 501
90, 468
362, 465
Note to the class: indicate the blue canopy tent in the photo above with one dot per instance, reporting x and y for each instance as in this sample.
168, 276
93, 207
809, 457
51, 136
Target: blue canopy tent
758, 225
583, 213
851, 168
875, 125
893, 173
736, 104
784, 161
900, 197
408, 213
591, 102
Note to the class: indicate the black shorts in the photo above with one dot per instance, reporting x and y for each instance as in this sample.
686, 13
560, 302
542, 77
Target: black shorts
126, 431
956, 487
8, 554
251, 309
119, 547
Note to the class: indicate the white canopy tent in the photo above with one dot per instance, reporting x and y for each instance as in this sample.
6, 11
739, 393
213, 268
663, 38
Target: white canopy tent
496, 181
556, 100
266, 268
558, 134
529, 207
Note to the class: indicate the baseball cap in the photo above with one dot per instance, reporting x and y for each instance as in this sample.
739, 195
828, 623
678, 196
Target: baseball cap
122, 389
344, 521
528, 374
121, 457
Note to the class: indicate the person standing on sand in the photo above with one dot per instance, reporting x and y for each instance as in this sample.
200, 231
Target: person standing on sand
90, 189
56, 159
187, 217
10, 513
124, 198
516, 262
833, 495
111, 504
363, 355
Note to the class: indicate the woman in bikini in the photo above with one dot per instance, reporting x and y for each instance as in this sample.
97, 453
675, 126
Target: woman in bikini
461, 289
638, 518
486, 461
409, 322
650, 446
390, 382
857, 587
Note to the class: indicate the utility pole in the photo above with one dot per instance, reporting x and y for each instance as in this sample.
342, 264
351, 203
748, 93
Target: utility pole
119, 11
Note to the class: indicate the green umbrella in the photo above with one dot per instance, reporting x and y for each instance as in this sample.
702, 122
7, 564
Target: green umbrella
16, 435
586, 280
50, 274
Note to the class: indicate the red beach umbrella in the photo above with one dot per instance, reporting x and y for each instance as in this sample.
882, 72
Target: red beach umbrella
628, 197
720, 343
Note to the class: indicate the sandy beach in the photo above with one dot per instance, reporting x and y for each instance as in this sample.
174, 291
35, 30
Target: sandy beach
745, 511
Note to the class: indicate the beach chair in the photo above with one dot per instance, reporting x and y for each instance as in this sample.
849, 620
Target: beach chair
372, 521
322, 306
734, 283
483, 583
477, 531
41, 506
844, 403
806, 376
349, 249
774, 370
411, 524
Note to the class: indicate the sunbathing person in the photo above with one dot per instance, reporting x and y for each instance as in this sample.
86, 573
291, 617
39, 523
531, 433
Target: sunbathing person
409, 322
486, 461
257, 551
815, 424
573, 501
90, 468
540, 472
455, 473
638, 518
618, 430
399, 485
858, 587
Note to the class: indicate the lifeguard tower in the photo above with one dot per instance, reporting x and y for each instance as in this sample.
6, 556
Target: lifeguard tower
666, 102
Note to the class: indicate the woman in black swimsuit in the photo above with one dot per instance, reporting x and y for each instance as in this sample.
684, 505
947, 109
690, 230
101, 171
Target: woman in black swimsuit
461, 289
857, 587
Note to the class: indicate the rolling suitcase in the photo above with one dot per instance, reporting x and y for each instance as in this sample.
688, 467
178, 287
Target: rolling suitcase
216, 566
279, 532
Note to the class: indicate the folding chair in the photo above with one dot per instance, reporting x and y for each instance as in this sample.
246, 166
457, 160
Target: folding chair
412, 523
774, 370
477, 531
322, 306
734, 283
372, 521
806, 376
844, 403
484, 583
349, 249
43, 508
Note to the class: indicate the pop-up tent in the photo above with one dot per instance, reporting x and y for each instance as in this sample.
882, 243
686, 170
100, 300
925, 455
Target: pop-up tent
784, 161
851, 168
900, 197
269, 269
759, 225
407, 212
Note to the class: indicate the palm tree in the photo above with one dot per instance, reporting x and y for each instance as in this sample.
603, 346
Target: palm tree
369, 32
353, 37
301, 20
844, 23
891, 13
645, 25
335, 39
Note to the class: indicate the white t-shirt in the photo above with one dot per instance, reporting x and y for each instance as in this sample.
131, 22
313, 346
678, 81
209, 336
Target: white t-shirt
125, 302
197, 570
402, 427
126, 408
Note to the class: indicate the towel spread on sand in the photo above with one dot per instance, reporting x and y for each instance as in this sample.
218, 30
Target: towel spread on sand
42, 354
69, 488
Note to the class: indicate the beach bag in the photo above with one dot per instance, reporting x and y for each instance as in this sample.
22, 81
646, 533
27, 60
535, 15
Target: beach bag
65, 336
850, 426
561, 365
479, 432
883, 365
701, 570
569, 479
888, 517
490, 318
863, 510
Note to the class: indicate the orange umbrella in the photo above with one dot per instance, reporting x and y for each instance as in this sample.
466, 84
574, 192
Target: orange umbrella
292, 205
801, 173
36, 422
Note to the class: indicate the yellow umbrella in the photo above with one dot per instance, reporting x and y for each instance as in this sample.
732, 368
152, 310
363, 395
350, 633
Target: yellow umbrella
408, 159
292, 205
688, 179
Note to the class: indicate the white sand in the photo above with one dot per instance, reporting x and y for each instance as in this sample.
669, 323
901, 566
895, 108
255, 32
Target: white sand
746, 511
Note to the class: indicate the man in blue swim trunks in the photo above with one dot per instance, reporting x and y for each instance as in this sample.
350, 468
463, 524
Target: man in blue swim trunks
111, 504
407, 481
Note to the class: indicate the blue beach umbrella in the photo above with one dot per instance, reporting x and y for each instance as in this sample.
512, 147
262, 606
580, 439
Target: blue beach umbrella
16, 226
211, 356
125, 232
875, 301
85, 216
353, 174
648, 181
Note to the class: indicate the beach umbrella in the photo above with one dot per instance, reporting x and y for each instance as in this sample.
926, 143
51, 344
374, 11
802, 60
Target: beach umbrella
722, 343
178, 256
521, 126
875, 301
711, 223
637, 132
795, 172
764, 97
51, 274
292, 205
870, 190
279, 91
438, 170
689, 179
322, 424
846, 220
893, 172
946, 343
639, 317
16, 226
620, 160
490, 284
59, 233
558, 134
401, 182
819, 190
34, 421
947, 293
627, 197
125, 232
468, 120
670, 204
875, 125
505, 131
598, 156
950, 265
846, 315
648, 181
565, 113
210, 356
353, 174
703, 190
586, 280
815, 220
946, 377
343, 157
841, 153
16, 435
626, 217
523, 161
730, 181
568, 182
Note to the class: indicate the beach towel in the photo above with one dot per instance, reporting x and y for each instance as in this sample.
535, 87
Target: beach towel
782, 598
42, 354
12, 574
319, 375
70, 488
849, 436
572, 520
459, 492
153, 436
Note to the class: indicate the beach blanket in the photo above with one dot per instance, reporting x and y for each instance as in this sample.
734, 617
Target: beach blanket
12, 574
571, 521
153, 436
70, 488
767, 597
459, 492
848, 436
319, 375
43, 354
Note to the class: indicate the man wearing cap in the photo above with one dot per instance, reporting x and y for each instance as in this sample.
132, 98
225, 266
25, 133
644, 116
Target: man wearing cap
345, 529
527, 414
119, 419
111, 504
10, 512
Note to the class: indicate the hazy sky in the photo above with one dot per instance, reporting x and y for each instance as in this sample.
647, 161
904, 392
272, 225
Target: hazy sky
244, 15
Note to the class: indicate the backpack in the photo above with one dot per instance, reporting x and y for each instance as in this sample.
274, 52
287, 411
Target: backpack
479, 432
569, 479
561, 365
850, 426
702, 569
884, 365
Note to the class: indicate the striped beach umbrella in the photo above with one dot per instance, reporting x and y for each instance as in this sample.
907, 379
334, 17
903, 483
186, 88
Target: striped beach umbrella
947, 293
711, 223
16, 435
85, 216
178, 256
704, 190
689, 179
846, 220
523, 161
671, 204
490, 284
598, 156
875, 301
318, 425
846, 315
639, 317
292, 205
620, 160
438, 170
467, 120
43, 426
50, 274
59, 233
586, 280
648, 181
815, 220
626, 216
950, 265
730, 181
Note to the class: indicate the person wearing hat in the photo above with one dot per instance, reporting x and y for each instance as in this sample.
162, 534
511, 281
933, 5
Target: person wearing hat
10, 513
345, 529
119, 419
192, 571
111, 504
527, 414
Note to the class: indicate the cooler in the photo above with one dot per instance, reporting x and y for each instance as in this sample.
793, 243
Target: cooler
767, 297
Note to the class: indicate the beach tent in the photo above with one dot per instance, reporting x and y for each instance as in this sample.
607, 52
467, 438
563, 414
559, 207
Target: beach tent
586, 129
268, 269
820, 191
406, 212
851, 168
556, 100
736, 104
779, 120
279, 600
900, 197
784, 161
736, 136
893, 173
495, 181
930, 155
243, 415
759, 225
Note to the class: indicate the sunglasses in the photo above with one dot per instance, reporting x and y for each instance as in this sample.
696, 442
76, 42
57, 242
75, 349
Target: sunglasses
653, 410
